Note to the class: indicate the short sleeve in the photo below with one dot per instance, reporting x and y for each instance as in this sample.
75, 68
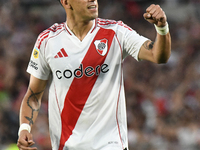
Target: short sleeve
38, 66
132, 43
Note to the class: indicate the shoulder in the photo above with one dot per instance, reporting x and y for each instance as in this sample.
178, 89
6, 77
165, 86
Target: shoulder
112, 24
52, 31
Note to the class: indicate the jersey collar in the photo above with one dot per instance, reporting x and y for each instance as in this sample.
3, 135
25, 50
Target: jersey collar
91, 30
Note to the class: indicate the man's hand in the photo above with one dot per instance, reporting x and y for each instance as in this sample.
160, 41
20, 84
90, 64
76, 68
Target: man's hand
25, 141
155, 15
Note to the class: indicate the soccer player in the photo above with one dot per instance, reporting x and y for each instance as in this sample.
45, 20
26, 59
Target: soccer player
82, 59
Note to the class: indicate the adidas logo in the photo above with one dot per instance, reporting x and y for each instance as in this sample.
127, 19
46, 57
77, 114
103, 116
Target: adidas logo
61, 53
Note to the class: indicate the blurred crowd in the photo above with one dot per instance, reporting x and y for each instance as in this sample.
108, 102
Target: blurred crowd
163, 101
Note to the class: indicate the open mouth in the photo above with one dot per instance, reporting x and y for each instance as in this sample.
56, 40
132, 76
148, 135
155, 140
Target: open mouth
92, 7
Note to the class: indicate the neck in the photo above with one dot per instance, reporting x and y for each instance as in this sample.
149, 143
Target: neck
80, 29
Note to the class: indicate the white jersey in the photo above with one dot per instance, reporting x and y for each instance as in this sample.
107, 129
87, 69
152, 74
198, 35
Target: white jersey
86, 96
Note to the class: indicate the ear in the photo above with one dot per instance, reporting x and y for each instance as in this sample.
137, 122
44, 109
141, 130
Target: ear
65, 4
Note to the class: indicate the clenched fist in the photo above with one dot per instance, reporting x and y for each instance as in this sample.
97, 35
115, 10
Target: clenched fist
155, 15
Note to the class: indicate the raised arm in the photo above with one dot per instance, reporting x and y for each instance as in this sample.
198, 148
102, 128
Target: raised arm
29, 111
160, 50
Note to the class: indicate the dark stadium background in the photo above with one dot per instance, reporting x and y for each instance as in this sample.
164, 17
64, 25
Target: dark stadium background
163, 101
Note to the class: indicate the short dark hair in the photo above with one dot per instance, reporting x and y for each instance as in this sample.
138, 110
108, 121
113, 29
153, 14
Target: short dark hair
59, 1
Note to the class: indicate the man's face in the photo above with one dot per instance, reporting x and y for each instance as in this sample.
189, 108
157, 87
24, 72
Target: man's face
85, 10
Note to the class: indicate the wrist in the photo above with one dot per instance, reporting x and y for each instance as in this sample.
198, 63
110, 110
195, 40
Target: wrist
162, 30
24, 126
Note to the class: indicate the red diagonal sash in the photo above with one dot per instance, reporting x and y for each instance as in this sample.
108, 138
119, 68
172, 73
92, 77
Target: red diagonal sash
80, 88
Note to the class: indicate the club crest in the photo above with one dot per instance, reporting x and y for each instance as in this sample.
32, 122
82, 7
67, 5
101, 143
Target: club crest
101, 46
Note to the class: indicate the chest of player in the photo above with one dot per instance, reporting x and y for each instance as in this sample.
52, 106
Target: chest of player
73, 58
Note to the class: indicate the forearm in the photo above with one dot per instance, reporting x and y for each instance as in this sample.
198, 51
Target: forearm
162, 48
30, 107
29, 110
